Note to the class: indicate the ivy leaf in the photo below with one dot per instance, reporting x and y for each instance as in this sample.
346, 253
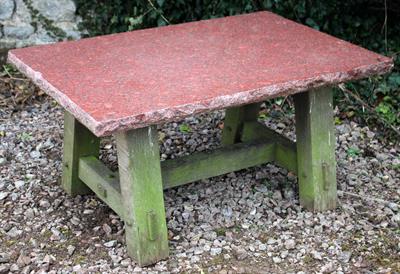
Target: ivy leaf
394, 79
114, 19
160, 3
312, 23
136, 21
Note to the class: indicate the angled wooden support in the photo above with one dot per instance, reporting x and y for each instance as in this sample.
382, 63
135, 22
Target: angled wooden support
142, 195
316, 149
285, 150
102, 181
234, 120
78, 142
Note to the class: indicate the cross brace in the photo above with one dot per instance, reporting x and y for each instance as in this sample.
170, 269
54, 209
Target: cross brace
266, 146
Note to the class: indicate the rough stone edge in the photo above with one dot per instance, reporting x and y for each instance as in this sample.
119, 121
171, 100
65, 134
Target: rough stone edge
52, 91
107, 127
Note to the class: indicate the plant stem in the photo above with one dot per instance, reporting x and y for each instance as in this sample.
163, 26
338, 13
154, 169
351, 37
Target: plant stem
368, 107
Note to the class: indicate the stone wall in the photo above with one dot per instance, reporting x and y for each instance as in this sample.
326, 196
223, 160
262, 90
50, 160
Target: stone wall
35, 22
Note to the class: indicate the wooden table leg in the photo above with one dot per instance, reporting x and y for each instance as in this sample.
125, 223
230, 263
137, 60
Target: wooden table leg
235, 118
315, 136
78, 142
142, 195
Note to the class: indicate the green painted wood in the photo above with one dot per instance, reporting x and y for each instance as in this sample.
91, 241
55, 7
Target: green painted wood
203, 165
78, 142
285, 149
102, 181
142, 195
316, 149
234, 119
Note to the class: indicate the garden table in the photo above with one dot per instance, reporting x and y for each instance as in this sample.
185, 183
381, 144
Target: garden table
125, 84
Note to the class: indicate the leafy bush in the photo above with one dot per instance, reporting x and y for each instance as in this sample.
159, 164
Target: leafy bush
372, 24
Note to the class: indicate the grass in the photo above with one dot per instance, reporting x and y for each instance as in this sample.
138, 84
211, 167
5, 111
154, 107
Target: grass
25, 137
10, 243
221, 231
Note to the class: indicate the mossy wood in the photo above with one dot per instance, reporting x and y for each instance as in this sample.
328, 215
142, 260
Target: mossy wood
142, 195
78, 142
284, 153
209, 164
180, 171
315, 136
102, 181
235, 117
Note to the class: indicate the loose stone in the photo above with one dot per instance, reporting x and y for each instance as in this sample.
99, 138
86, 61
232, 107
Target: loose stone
71, 249
290, 244
110, 243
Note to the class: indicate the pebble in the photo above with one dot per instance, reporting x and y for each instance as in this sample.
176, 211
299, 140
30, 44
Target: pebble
345, 256
4, 268
316, 255
14, 232
14, 268
3, 161
35, 154
126, 262
210, 235
116, 259
328, 268
4, 258
215, 251
107, 229
48, 259
393, 206
23, 260
240, 253
3, 195
284, 254
19, 184
396, 219
44, 203
71, 250
195, 259
276, 260
290, 244
110, 243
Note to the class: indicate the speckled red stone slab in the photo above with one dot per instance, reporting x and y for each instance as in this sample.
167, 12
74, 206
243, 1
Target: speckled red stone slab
134, 79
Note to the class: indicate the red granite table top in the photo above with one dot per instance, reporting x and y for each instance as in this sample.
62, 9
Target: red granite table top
135, 79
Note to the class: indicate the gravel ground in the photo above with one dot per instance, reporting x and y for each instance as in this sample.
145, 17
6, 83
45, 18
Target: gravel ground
244, 222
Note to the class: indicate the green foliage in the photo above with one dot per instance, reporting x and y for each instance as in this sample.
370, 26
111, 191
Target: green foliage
372, 24
263, 116
353, 151
389, 93
185, 128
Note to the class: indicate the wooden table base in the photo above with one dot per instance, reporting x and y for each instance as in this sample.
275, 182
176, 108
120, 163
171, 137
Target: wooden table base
136, 192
